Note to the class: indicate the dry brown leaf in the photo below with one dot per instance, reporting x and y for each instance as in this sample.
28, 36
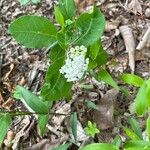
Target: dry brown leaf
8, 73
145, 42
135, 6
129, 41
44, 144
10, 136
8, 104
103, 117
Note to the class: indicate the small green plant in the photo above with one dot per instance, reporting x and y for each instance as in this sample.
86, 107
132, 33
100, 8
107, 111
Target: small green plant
75, 52
91, 129
142, 100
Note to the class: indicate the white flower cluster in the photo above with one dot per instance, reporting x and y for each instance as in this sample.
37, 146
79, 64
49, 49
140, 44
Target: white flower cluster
76, 64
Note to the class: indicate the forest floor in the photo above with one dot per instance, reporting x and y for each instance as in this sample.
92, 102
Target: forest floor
127, 23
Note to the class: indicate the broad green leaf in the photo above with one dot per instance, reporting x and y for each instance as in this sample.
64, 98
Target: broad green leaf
135, 127
30, 100
73, 122
138, 148
43, 119
131, 134
24, 2
58, 16
132, 79
62, 147
140, 100
148, 127
91, 129
91, 27
33, 31
42, 122
139, 144
67, 8
148, 92
5, 121
103, 75
56, 86
102, 57
117, 141
94, 50
99, 146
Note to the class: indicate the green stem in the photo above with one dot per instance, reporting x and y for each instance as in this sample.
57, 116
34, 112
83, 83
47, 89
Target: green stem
21, 113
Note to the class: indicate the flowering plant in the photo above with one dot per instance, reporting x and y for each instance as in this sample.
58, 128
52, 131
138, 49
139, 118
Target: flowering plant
75, 51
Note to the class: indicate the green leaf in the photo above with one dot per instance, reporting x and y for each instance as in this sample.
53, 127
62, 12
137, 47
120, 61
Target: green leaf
140, 100
102, 57
73, 122
94, 50
58, 16
33, 31
99, 146
24, 2
148, 127
97, 55
35, 1
30, 100
43, 120
56, 86
131, 134
5, 121
67, 8
117, 141
62, 147
132, 79
103, 75
138, 148
148, 92
62, 39
135, 127
139, 144
91, 105
91, 129
91, 27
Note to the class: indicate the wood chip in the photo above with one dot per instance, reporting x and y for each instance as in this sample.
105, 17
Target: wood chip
145, 42
129, 41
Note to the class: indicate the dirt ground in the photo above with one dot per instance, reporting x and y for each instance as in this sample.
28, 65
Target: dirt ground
127, 23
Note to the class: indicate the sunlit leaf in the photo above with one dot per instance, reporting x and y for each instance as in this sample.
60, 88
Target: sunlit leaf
5, 122
136, 127
33, 31
131, 134
99, 146
148, 127
91, 27
132, 79
140, 100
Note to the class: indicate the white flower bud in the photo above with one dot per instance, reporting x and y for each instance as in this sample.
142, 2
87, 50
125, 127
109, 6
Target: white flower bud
75, 64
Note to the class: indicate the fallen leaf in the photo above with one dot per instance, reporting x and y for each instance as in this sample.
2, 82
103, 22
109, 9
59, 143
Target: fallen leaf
129, 41
145, 42
135, 6
103, 115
